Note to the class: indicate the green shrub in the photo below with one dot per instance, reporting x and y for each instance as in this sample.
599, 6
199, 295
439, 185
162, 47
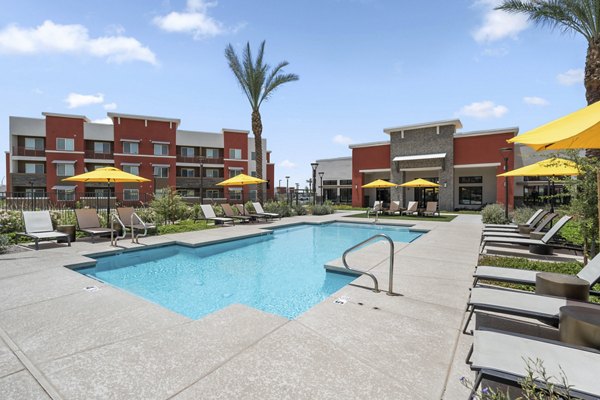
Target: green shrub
493, 214
326, 208
279, 207
5, 243
168, 206
185, 225
300, 210
11, 222
522, 214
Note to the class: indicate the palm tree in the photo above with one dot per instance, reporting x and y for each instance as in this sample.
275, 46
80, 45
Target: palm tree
258, 82
581, 16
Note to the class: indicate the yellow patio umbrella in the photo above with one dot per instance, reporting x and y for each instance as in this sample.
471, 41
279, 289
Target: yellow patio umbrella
578, 130
379, 184
550, 168
241, 180
107, 175
419, 183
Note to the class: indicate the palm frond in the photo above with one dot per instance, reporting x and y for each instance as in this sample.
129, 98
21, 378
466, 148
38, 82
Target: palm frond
238, 71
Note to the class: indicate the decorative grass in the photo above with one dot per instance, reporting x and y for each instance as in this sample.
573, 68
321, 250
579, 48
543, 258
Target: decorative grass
570, 267
442, 218
187, 225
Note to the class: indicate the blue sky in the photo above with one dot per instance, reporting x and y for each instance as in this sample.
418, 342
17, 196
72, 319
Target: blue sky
364, 65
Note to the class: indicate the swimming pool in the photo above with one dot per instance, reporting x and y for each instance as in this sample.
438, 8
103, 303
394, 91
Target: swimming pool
280, 273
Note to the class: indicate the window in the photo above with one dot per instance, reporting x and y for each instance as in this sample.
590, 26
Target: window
132, 169
470, 195
187, 172
345, 181
38, 192
345, 196
34, 168
212, 153
254, 195
131, 147
95, 167
187, 151
34, 143
253, 156
212, 173
65, 195
235, 154
65, 169
186, 192
212, 194
131, 194
235, 194
470, 179
161, 172
65, 144
332, 182
253, 173
102, 147
161, 149
234, 172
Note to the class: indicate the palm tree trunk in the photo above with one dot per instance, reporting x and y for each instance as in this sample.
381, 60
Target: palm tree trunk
257, 131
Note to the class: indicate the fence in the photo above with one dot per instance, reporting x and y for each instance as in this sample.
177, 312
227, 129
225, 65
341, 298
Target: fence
50, 201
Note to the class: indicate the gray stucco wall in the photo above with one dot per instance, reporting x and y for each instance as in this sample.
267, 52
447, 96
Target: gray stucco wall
425, 141
488, 186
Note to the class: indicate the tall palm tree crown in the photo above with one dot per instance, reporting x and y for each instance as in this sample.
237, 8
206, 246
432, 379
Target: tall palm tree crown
258, 82
581, 16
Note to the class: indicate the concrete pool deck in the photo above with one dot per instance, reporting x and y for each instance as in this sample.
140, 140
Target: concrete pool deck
61, 341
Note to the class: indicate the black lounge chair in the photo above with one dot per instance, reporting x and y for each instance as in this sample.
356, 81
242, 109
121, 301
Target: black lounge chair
230, 214
539, 214
209, 214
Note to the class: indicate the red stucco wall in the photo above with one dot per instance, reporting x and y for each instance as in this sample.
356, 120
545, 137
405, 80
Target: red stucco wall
374, 157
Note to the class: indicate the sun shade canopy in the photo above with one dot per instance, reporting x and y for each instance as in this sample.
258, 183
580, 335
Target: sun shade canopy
549, 167
420, 157
420, 183
106, 175
379, 184
578, 130
241, 180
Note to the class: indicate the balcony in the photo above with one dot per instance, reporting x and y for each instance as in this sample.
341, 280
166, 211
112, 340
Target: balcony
196, 160
194, 182
26, 180
98, 156
23, 151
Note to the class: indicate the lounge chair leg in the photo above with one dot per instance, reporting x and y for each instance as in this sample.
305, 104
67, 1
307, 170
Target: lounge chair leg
475, 280
69, 240
37, 244
468, 321
476, 384
469, 354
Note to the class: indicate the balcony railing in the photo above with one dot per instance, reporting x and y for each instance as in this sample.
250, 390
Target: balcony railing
23, 151
98, 156
186, 182
197, 159
28, 180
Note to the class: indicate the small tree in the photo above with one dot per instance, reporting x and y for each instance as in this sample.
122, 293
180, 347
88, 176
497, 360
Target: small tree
168, 205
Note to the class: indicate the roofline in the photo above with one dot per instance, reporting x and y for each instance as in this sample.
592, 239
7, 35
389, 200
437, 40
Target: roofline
455, 122
75, 116
514, 129
370, 144
334, 159
144, 117
202, 132
234, 131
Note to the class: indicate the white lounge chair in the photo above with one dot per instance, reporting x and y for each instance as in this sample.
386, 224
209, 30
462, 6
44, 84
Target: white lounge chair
376, 210
38, 226
209, 214
88, 222
259, 210
394, 209
431, 209
534, 218
538, 229
411, 209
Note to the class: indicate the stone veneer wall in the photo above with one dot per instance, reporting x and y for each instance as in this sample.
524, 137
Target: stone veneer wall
425, 141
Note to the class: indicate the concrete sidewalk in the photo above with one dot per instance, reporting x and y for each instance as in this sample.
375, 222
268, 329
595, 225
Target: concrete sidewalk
61, 341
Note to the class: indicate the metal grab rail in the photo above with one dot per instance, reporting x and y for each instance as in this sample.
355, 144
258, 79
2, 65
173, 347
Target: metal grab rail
114, 239
135, 238
376, 283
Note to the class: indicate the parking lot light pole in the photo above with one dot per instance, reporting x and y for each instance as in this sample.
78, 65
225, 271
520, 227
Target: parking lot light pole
321, 176
287, 189
505, 151
314, 166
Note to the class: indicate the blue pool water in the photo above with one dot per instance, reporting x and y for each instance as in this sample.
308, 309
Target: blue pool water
280, 273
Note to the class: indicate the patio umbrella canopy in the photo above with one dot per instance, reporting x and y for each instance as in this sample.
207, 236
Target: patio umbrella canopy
241, 180
379, 184
578, 130
108, 175
419, 183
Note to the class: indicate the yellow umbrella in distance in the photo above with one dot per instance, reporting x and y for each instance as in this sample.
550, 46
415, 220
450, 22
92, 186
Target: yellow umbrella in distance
108, 175
379, 184
241, 180
419, 183
549, 167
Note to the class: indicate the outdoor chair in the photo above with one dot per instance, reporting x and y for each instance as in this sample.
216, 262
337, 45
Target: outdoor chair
544, 241
377, 208
88, 222
411, 209
394, 209
209, 214
501, 357
38, 226
129, 220
539, 217
230, 214
519, 303
589, 273
538, 229
532, 220
259, 210
255, 217
431, 209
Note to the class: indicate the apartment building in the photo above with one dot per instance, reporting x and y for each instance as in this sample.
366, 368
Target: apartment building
43, 151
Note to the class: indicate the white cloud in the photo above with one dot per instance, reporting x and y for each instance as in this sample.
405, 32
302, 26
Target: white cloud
38, 91
535, 101
498, 24
287, 164
571, 77
483, 109
105, 120
56, 38
194, 20
341, 139
495, 52
110, 106
75, 100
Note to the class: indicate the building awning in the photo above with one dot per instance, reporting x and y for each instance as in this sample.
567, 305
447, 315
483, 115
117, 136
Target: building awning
64, 162
132, 164
235, 168
59, 187
481, 165
161, 165
420, 157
